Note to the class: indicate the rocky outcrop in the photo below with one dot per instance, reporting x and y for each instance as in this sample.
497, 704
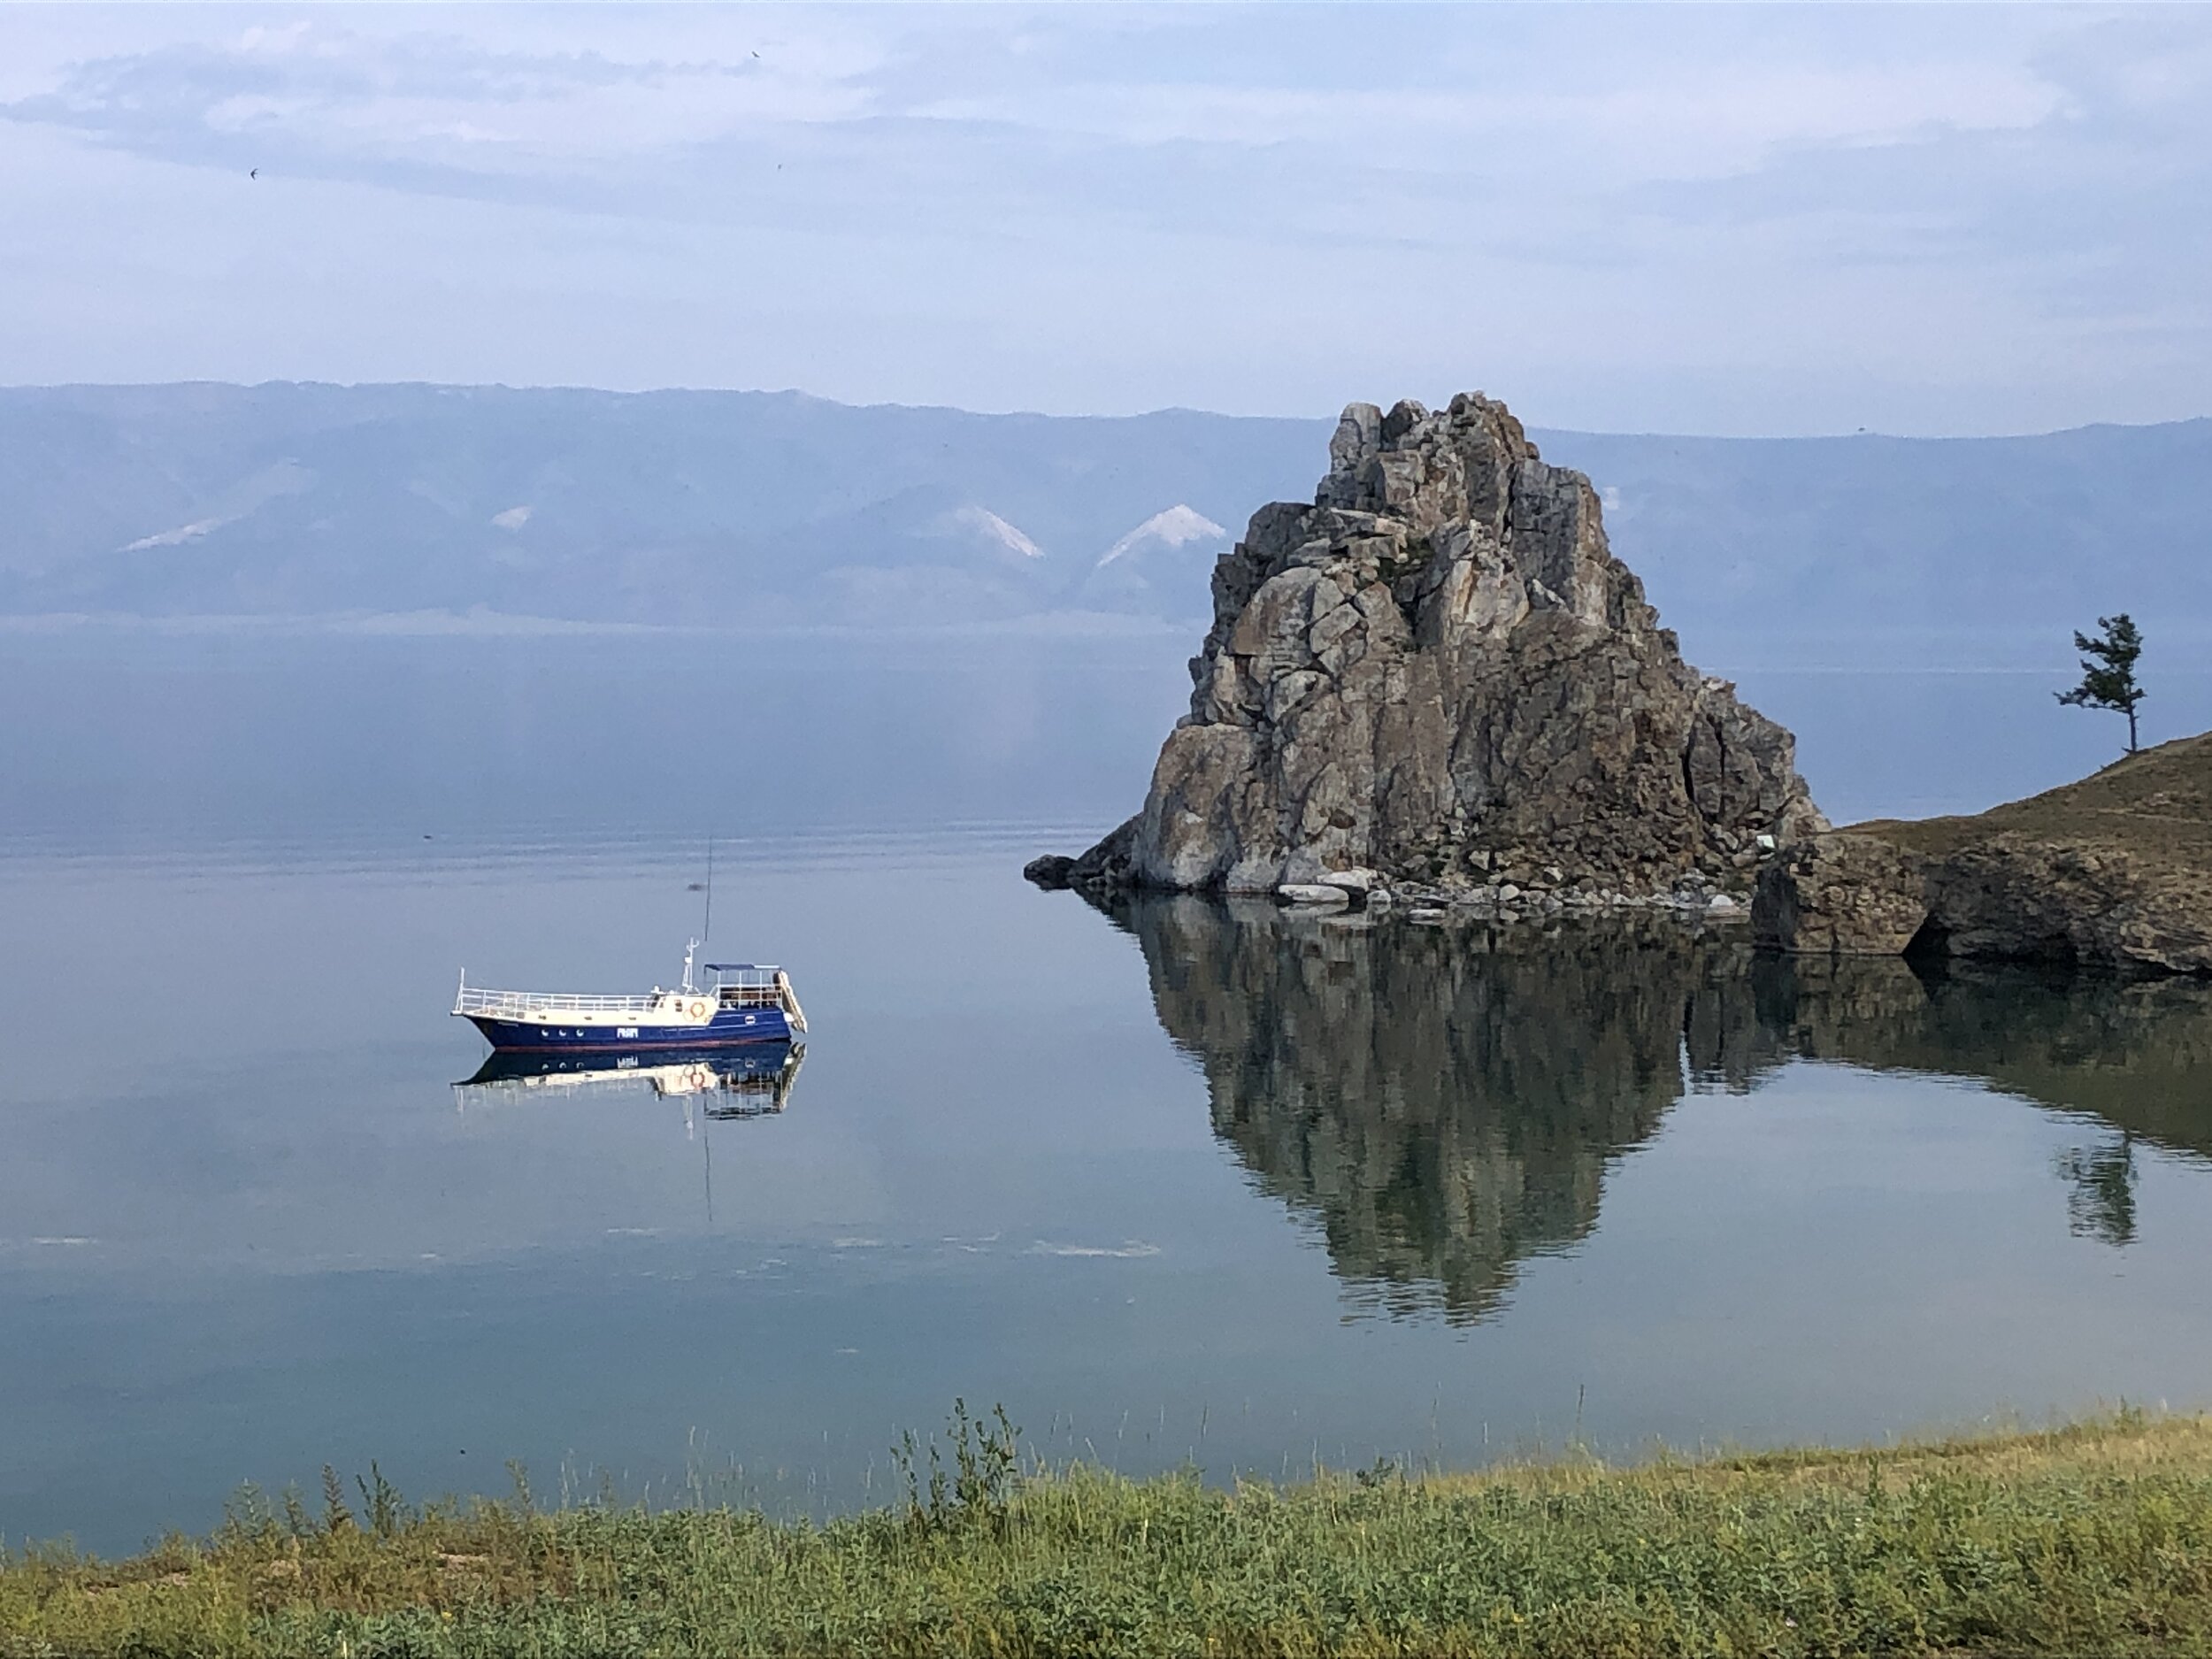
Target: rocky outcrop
2114, 871
1106, 868
1438, 675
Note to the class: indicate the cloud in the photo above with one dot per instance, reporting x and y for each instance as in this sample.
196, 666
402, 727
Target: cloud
1177, 115
1758, 218
2073, 221
424, 110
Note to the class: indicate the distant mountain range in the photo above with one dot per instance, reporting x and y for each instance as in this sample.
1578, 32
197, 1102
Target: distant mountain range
780, 510
740, 508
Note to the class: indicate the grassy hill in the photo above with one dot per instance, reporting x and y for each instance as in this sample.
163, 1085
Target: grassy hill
2158, 801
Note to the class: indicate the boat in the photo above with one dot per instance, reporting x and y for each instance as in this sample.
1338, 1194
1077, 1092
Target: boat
748, 1082
742, 1003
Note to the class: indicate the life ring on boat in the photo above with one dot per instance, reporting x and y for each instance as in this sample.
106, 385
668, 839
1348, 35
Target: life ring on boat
698, 1010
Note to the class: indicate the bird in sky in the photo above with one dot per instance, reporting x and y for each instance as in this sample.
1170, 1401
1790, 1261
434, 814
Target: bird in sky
253, 172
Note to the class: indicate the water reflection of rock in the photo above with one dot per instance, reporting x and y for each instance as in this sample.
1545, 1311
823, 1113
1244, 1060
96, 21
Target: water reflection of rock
2136, 1054
1444, 1102
2131, 1059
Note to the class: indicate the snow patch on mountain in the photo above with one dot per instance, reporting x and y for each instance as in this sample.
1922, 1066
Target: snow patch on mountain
241, 501
989, 524
177, 537
1158, 569
1179, 527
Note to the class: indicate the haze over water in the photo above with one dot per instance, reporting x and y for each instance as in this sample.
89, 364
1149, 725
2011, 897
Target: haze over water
1188, 1183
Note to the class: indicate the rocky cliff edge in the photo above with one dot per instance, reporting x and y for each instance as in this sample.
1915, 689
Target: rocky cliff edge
2113, 871
1437, 679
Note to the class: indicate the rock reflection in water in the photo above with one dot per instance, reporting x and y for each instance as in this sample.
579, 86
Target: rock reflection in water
2132, 1059
2134, 1054
1443, 1102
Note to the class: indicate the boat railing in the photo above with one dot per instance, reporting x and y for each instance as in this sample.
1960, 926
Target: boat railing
503, 1004
757, 985
737, 985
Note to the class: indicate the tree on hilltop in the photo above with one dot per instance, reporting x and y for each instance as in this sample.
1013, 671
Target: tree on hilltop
2107, 670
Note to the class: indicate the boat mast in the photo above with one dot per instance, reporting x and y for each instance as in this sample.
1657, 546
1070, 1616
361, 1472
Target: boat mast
706, 927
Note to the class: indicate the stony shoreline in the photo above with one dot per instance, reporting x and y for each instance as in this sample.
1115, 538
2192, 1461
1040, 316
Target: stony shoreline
1365, 891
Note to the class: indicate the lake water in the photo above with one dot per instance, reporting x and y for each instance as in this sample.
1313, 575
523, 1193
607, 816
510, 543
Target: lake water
1184, 1183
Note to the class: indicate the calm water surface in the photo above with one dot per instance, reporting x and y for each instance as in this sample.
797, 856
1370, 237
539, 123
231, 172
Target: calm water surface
1183, 1182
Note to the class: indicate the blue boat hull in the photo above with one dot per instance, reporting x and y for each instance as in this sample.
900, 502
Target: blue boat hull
729, 1028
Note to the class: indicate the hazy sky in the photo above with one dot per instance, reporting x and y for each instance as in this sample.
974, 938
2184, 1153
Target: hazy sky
1748, 220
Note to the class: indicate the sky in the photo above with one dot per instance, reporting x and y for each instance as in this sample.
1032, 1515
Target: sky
1765, 220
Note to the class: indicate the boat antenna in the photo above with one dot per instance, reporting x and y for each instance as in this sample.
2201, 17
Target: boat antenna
706, 927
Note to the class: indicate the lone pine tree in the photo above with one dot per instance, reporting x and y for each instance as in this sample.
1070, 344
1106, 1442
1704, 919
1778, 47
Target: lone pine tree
2107, 670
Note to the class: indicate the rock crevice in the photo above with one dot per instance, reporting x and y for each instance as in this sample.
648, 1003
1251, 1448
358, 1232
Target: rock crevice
1438, 675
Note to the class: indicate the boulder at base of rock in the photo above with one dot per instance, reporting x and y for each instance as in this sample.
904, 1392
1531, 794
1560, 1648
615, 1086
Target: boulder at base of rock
1355, 882
1842, 894
1438, 672
1105, 868
1311, 893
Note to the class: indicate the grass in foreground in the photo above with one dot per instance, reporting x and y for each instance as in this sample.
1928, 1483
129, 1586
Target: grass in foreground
2092, 1539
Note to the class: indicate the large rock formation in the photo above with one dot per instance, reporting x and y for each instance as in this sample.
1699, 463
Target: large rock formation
1438, 674
2113, 871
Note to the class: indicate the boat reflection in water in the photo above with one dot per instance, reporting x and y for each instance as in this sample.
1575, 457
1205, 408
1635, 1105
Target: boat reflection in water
749, 1082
